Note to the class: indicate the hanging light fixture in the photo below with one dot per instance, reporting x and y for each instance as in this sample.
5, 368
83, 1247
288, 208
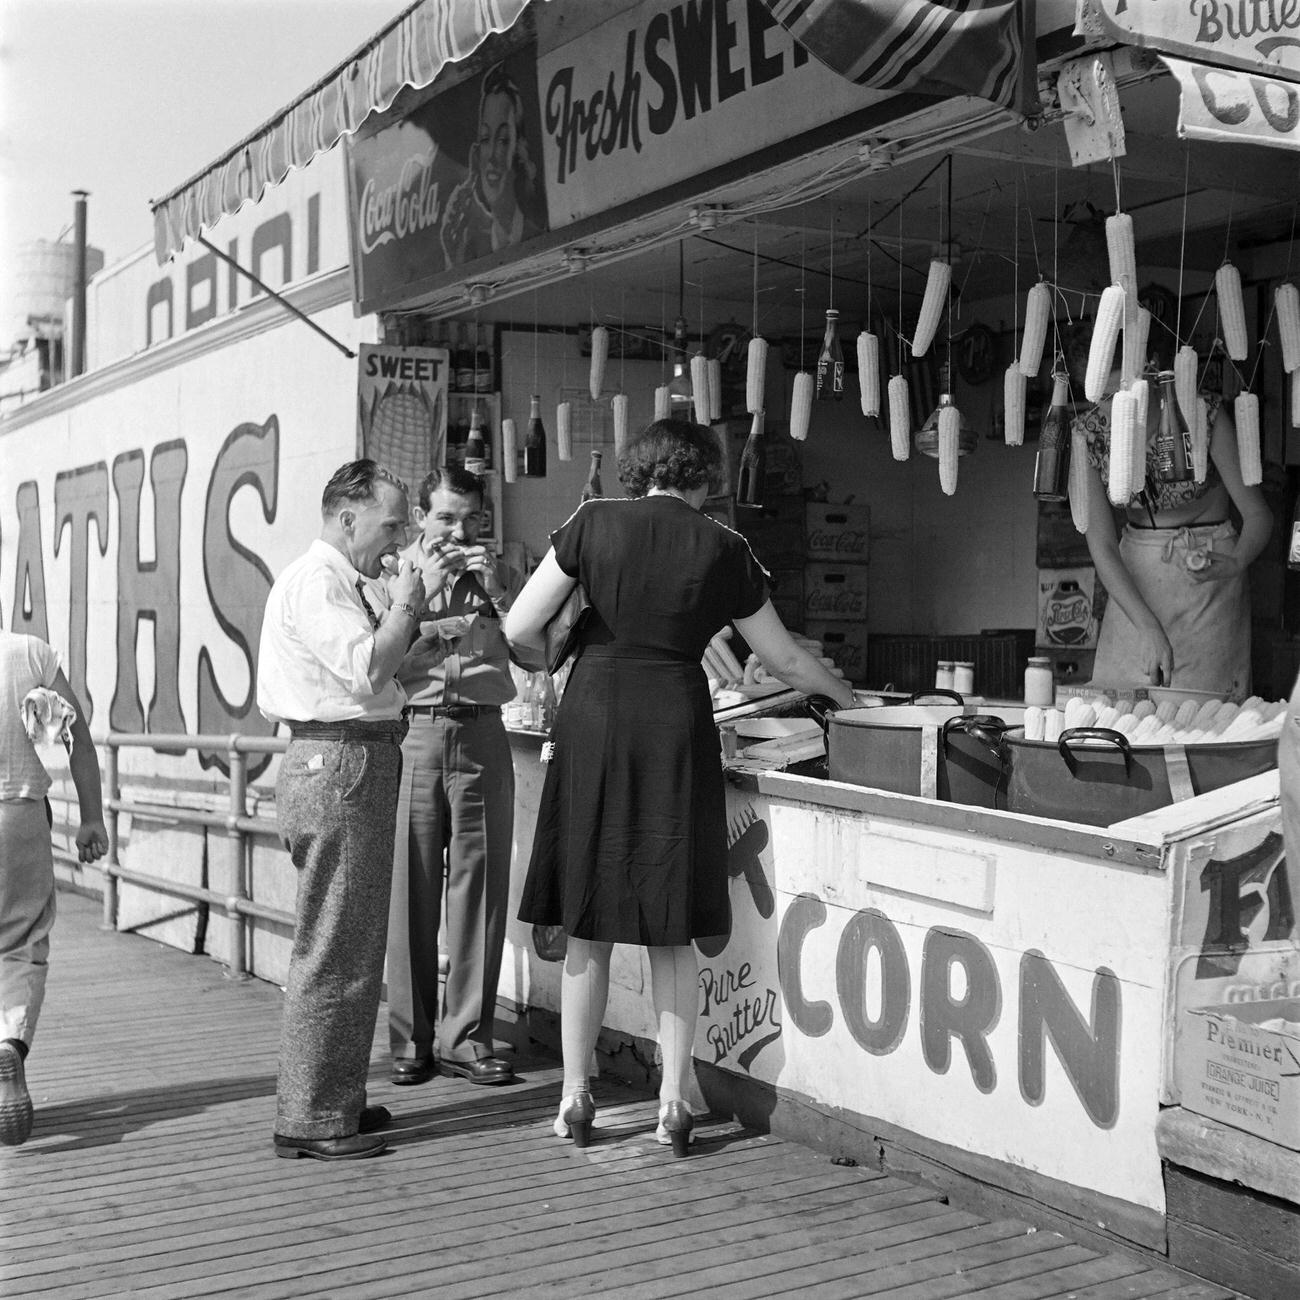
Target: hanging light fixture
679, 386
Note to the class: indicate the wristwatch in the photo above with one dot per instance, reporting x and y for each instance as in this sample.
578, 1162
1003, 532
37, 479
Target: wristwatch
406, 607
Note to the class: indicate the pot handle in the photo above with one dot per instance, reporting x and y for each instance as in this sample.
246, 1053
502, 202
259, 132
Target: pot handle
1116, 738
932, 692
984, 727
821, 707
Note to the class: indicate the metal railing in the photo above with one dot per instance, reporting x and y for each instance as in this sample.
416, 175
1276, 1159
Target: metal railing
240, 828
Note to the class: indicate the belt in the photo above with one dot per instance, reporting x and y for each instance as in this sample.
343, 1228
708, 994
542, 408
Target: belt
457, 712
354, 729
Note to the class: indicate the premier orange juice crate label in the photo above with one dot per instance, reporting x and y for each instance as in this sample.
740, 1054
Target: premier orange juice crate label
835, 592
1239, 1063
838, 534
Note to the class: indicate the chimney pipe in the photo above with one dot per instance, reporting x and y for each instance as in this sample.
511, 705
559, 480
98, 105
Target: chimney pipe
77, 350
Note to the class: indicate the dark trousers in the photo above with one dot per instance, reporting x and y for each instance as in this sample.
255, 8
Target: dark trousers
336, 798
455, 819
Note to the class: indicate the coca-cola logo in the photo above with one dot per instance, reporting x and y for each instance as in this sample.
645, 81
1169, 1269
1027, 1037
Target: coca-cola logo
391, 212
841, 601
843, 541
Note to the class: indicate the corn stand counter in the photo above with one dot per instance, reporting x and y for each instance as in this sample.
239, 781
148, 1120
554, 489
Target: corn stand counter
971, 994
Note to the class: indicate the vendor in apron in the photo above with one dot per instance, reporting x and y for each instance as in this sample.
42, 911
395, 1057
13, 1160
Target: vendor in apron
1176, 572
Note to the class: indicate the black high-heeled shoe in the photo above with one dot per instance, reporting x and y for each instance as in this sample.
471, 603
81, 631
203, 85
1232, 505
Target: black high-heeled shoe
676, 1125
576, 1118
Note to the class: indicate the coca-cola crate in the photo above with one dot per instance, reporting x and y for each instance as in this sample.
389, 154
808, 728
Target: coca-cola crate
840, 534
835, 591
845, 643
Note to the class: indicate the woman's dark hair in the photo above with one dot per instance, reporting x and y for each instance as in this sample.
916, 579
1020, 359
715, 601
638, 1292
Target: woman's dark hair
356, 481
675, 454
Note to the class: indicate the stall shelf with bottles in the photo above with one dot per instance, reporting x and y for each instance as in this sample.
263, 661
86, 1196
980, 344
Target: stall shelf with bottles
462, 408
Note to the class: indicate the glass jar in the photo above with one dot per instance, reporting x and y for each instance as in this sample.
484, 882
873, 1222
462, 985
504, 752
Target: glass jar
963, 677
1040, 685
943, 676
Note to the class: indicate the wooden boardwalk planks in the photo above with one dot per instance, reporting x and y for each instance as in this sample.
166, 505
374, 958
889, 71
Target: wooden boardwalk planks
150, 1173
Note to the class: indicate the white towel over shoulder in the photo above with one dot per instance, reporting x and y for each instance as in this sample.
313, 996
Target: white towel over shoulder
48, 717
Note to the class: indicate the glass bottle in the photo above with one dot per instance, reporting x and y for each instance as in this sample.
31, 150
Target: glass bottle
463, 361
535, 441
943, 675
1040, 685
963, 677
483, 367
1293, 550
679, 386
830, 362
1052, 464
753, 466
476, 444
1171, 454
591, 488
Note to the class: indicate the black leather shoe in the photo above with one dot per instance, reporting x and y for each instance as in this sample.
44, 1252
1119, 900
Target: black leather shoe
487, 1069
406, 1071
374, 1117
356, 1147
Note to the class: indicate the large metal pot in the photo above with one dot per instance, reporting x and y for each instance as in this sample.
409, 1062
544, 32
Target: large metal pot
936, 750
1097, 776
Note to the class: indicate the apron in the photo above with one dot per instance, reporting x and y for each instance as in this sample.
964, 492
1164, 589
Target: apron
1207, 623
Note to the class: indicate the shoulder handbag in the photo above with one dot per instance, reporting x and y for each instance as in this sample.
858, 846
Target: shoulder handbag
564, 631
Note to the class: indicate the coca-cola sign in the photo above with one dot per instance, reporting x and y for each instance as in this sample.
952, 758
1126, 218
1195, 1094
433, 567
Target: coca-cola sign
455, 182
838, 542
835, 593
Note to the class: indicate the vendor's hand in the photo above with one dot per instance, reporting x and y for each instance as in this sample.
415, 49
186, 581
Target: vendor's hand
407, 586
92, 841
1215, 566
1157, 657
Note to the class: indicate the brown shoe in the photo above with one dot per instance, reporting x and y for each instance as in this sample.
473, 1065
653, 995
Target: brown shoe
356, 1147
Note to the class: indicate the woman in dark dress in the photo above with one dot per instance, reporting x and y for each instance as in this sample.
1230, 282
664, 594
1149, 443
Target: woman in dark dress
630, 845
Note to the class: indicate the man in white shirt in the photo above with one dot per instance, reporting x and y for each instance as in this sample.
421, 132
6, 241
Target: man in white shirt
325, 669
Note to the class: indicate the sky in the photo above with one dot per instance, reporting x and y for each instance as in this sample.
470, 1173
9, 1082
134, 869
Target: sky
129, 98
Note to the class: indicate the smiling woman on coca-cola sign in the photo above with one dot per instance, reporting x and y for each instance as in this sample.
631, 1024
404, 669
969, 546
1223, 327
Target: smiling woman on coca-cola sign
492, 207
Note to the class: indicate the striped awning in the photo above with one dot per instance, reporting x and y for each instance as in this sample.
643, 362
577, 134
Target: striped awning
940, 47
411, 51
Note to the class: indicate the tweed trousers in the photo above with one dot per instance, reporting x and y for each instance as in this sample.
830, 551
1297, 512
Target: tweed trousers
336, 802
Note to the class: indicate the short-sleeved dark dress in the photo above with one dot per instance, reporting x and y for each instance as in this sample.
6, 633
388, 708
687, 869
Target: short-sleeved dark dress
630, 845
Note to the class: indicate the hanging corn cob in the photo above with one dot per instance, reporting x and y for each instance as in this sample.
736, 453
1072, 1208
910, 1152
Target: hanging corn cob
619, 405
949, 434
509, 450
1286, 302
599, 355
801, 400
1232, 311
1013, 403
663, 402
1198, 427
1135, 342
1080, 473
715, 389
869, 373
932, 305
1295, 399
1120, 247
1123, 431
1245, 411
1141, 391
700, 387
1185, 362
754, 376
1101, 351
564, 430
900, 418
1038, 309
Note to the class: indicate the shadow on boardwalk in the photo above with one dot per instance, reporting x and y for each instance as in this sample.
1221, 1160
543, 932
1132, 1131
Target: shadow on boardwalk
150, 1173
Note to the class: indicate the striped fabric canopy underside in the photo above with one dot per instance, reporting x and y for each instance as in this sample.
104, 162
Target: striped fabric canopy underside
410, 51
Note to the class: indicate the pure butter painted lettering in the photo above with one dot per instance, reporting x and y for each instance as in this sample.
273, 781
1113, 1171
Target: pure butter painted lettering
1244, 19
